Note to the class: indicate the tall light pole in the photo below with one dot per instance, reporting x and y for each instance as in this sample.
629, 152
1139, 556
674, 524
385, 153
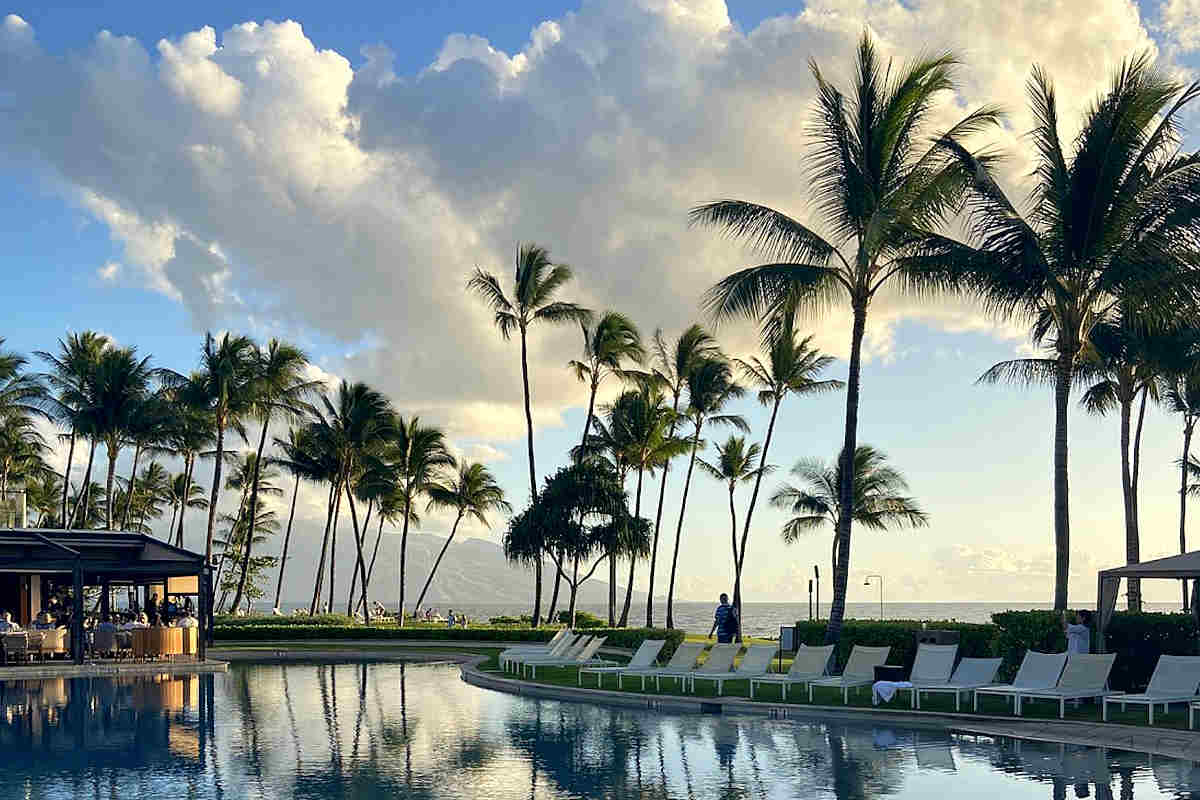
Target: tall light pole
867, 582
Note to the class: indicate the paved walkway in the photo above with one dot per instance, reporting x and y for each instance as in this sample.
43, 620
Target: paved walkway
93, 669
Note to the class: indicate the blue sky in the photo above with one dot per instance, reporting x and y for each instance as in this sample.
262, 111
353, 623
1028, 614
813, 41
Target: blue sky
262, 183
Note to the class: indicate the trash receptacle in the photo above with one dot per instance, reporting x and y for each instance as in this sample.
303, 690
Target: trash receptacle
934, 636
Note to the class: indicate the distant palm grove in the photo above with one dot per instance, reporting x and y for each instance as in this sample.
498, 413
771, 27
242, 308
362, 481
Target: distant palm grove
1102, 262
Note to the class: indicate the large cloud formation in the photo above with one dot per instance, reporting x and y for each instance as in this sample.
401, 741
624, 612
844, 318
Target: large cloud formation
254, 175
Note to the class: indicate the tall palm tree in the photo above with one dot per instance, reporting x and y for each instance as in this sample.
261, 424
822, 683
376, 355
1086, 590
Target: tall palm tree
873, 183
1182, 396
42, 493
279, 388
610, 340
1125, 367
736, 463
612, 446
182, 495
244, 467
21, 448
21, 392
224, 382
148, 429
536, 281
672, 365
190, 435
150, 491
879, 501
1114, 221
791, 367
710, 386
297, 463
76, 358
473, 492
418, 455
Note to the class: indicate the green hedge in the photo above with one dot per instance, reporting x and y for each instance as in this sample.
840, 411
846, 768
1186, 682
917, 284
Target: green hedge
900, 635
272, 621
629, 638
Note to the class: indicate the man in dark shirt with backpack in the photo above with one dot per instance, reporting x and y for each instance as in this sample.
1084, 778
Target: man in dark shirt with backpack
725, 621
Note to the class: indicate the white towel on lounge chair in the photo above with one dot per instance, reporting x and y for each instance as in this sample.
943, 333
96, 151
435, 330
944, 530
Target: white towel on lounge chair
884, 691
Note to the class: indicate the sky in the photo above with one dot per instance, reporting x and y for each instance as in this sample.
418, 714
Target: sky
331, 173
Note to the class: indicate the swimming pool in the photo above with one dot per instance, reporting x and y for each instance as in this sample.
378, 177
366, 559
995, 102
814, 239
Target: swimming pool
417, 731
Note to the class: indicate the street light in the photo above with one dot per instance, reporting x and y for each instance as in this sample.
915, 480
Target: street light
867, 582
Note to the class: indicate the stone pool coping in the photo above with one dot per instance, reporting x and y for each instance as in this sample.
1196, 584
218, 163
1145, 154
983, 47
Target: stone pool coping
110, 669
1156, 741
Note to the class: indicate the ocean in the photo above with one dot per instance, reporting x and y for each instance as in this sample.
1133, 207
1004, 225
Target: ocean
765, 619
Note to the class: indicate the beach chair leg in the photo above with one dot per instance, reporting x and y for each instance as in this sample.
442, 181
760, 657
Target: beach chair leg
976, 701
810, 693
845, 695
784, 692
1151, 706
1062, 708
1104, 710
957, 700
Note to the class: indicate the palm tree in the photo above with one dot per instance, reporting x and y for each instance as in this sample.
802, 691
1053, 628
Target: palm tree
42, 493
879, 502
874, 184
791, 367
21, 393
473, 492
1114, 222
77, 357
21, 448
190, 435
279, 387
148, 428
151, 489
1183, 397
672, 365
417, 455
182, 495
535, 283
736, 463
607, 342
241, 480
295, 461
710, 386
1123, 362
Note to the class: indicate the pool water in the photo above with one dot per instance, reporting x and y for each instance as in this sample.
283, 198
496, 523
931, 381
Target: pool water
417, 731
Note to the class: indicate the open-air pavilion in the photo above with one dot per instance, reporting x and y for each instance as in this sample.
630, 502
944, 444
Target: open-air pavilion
36, 564
1108, 583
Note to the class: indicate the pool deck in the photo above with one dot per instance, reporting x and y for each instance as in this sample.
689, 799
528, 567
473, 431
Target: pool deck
108, 669
1156, 741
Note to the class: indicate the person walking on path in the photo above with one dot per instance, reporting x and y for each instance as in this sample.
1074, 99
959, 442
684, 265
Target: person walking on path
724, 621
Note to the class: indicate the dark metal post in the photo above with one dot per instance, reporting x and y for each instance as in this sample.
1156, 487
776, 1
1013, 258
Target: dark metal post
202, 601
105, 599
77, 642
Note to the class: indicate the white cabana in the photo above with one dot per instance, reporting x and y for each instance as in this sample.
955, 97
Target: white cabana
1108, 582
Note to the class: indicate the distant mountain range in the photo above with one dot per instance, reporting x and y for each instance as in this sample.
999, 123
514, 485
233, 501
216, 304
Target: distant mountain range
473, 572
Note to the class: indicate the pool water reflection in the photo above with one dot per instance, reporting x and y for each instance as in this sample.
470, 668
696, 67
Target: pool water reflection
390, 730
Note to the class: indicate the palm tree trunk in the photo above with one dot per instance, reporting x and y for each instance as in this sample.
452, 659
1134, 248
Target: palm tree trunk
741, 553
361, 541
171, 529
733, 538
537, 568
662, 493
81, 500
1062, 516
215, 492
67, 477
404, 559
142, 519
262, 443
637, 512
312, 609
360, 563
1135, 471
375, 552
109, 499
1189, 424
188, 465
574, 591
137, 454
436, 563
287, 537
612, 588
337, 515
687, 482
837, 609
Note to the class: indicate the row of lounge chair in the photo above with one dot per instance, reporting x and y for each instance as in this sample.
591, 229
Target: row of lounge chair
936, 670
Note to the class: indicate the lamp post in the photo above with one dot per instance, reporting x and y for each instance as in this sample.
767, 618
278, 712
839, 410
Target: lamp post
867, 582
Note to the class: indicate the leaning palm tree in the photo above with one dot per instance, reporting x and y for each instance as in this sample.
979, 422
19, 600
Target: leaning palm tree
1124, 364
874, 184
1182, 396
189, 436
1114, 220
672, 365
76, 358
535, 283
791, 367
224, 384
472, 492
736, 463
183, 494
297, 463
149, 427
879, 502
609, 341
280, 388
417, 455
710, 386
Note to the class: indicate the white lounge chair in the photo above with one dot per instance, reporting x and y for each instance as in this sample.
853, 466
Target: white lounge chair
643, 658
716, 667
570, 650
534, 647
513, 655
681, 664
1037, 671
755, 664
584, 657
859, 671
932, 666
969, 675
1086, 675
810, 664
1175, 680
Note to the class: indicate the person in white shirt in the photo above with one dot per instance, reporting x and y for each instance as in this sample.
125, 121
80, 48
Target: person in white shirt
136, 624
1079, 633
7, 625
187, 622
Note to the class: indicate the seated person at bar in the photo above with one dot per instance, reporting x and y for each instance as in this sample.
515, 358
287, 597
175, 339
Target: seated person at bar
106, 624
187, 621
43, 622
7, 625
136, 624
